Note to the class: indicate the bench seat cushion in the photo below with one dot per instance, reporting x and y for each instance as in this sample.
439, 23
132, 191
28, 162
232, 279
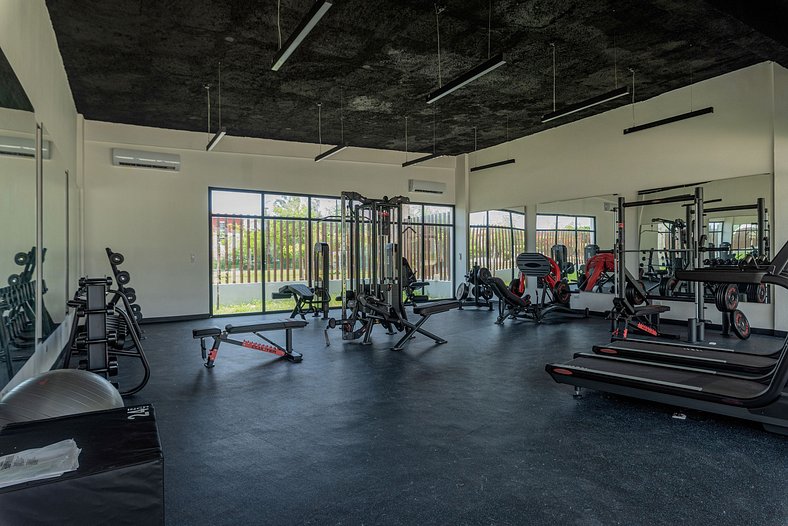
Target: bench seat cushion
434, 307
205, 333
262, 327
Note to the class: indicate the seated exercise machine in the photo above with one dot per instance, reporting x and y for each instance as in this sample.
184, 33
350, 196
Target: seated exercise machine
717, 380
413, 285
312, 299
514, 302
373, 268
219, 336
599, 270
474, 292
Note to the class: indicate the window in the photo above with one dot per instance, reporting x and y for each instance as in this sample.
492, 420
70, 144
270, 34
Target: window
714, 232
575, 232
262, 241
744, 239
496, 238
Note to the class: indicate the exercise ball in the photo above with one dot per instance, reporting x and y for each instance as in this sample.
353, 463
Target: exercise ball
58, 393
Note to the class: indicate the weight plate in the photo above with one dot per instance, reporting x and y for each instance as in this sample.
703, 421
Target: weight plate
731, 298
756, 293
116, 258
561, 292
462, 292
138, 316
13, 279
484, 275
123, 277
131, 297
135, 308
740, 324
487, 293
20, 258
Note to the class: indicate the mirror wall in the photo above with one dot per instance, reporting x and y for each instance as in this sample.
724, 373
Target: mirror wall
579, 235
54, 237
18, 217
730, 226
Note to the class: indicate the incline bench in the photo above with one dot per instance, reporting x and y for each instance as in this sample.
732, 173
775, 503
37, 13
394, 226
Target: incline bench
304, 297
220, 336
425, 311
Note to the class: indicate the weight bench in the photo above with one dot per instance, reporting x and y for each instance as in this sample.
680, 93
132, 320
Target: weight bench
305, 297
220, 336
425, 310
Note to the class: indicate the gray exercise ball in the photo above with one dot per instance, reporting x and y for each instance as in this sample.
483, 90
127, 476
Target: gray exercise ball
58, 393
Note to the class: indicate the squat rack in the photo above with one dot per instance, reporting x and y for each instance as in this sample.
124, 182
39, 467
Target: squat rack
696, 328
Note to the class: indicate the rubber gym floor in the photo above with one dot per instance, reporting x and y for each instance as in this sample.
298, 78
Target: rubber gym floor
471, 432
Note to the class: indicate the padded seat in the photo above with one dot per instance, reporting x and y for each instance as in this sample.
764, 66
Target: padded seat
503, 293
205, 333
427, 309
533, 264
647, 310
299, 290
262, 327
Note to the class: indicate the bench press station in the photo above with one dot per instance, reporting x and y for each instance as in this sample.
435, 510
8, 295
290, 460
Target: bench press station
220, 336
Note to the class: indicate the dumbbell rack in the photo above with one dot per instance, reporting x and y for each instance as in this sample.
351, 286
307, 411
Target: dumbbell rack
91, 336
123, 278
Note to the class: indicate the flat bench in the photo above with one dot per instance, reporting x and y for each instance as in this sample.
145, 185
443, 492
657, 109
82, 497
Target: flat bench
220, 336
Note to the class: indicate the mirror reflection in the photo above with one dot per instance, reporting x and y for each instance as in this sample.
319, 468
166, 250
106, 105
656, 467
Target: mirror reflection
578, 234
18, 217
736, 225
55, 223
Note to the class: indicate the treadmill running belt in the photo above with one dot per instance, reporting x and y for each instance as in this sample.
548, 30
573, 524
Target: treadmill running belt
702, 357
645, 376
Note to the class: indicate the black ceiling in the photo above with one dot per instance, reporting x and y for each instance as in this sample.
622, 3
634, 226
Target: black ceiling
145, 62
12, 95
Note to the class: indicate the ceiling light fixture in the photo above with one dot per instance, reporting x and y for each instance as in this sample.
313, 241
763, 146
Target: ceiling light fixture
433, 155
342, 145
306, 25
492, 63
222, 131
497, 163
669, 120
466, 78
584, 105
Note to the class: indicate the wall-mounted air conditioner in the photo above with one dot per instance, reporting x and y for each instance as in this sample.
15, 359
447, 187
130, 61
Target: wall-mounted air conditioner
426, 187
140, 159
21, 147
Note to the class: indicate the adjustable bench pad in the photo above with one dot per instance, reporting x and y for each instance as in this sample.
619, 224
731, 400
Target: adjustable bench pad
262, 327
427, 309
299, 290
206, 333
647, 310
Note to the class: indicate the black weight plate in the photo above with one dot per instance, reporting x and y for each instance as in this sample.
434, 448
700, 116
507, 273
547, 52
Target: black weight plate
484, 275
740, 324
131, 297
719, 298
731, 296
123, 277
129, 290
135, 308
116, 258
138, 316
487, 293
20, 258
13, 279
462, 292
760, 293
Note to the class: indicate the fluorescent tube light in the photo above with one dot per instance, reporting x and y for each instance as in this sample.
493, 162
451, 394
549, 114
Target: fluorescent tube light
668, 120
330, 153
216, 138
492, 165
466, 78
297, 37
422, 159
580, 106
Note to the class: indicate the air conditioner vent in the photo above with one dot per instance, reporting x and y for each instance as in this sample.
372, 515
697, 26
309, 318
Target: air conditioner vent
426, 187
141, 159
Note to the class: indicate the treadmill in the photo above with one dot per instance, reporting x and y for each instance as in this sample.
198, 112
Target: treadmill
697, 385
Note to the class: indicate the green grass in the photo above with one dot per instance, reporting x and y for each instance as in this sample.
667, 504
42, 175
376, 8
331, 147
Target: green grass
257, 306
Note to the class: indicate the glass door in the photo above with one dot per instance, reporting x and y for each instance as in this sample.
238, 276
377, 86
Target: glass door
237, 270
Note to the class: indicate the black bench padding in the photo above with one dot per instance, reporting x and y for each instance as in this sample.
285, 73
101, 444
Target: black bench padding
262, 327
533, 264
427, 309
205, 333
647, 310
299, 290
503, 293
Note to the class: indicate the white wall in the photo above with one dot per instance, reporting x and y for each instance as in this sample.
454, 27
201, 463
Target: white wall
589, 206
159, 220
